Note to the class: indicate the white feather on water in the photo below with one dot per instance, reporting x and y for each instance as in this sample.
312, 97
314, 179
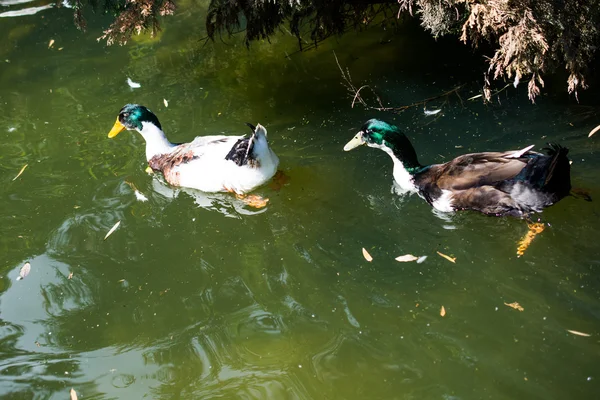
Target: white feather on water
431, 112
140, 196
132, 84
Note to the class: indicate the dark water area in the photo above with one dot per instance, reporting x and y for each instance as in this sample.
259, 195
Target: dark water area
197, 296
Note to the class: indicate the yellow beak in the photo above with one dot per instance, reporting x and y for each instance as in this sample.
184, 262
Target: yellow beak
117, 127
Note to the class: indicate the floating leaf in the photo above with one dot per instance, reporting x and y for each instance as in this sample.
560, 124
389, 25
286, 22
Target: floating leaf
443, 311
132, 84
451, 259
73, 394
366, 255
114, 228
51, 43
166, 103
515, 305
596, 129
579, 333
25, 269
20, 172
534, 230
421, 259
407, 258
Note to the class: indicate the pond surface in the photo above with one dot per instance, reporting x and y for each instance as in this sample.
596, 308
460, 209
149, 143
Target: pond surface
198, 297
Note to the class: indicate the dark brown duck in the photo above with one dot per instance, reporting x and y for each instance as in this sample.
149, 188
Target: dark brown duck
516, 182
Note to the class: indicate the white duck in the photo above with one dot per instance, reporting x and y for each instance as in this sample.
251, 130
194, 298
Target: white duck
217, 163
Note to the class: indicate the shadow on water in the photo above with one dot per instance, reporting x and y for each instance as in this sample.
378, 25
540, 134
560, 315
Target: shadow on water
197, 296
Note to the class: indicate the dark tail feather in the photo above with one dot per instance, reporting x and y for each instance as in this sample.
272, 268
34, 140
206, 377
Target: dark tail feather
558, 178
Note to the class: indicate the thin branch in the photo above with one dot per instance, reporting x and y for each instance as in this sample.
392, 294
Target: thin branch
356, 96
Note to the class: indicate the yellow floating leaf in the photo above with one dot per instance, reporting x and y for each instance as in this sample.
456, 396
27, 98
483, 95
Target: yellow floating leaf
443, 311
534, 230
451, 259
366, 255
73, 394
515, 305
20, 172
114, 228
406, 258
579, 333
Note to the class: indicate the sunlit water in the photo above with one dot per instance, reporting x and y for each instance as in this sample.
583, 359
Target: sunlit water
197, 296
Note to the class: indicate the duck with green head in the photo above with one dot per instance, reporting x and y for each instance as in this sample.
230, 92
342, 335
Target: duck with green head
216, 163
516, 182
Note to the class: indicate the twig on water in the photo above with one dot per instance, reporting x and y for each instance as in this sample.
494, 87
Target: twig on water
356, 95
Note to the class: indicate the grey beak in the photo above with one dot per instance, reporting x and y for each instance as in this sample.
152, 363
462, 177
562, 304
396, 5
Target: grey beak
355, 142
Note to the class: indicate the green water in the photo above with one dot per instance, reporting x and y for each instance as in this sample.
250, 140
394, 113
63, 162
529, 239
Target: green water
198, 297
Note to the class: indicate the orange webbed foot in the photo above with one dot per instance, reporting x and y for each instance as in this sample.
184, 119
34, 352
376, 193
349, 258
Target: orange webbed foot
253, 200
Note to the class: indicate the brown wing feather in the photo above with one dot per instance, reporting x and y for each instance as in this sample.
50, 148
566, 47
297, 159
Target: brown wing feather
486, 199
166, 163
479, 169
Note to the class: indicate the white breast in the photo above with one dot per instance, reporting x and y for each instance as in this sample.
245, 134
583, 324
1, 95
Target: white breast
444, 202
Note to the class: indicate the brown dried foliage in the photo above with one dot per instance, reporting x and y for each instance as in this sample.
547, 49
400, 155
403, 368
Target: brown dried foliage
135, 17
532, 36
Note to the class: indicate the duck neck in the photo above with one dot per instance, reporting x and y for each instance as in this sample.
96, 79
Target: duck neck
406, 164
403, 151
156, 141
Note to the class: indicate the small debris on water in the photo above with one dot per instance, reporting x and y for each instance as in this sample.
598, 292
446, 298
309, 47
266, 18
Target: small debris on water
70, 275
596, 129
114, 228
73, 394
20, 172
421, 259
132, 84
166, 103
451, 259
579, 333
430, 112
515, 305
140, 196
25, 269
51, 43
443, 311
406, 258
366, 255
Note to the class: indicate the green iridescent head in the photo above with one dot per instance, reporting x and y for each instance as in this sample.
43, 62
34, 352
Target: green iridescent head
131, 117
381, 135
